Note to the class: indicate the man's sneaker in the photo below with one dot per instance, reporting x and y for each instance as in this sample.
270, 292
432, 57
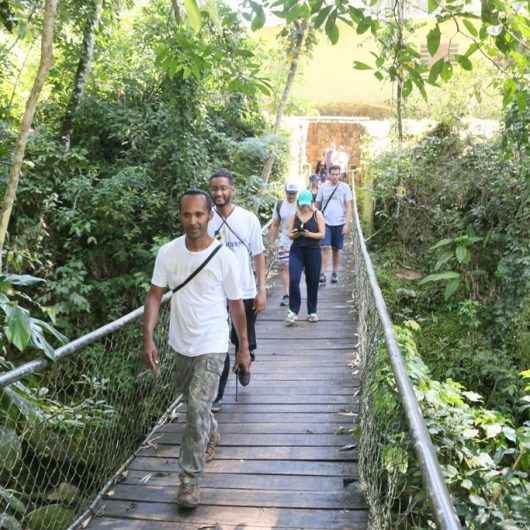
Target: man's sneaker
217, 405
312, 317
322, 279
188, 496
285, 300
334, 278
213, 442
291, 319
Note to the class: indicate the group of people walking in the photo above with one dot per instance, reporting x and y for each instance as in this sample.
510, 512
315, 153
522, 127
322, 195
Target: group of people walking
217, 269
311, 226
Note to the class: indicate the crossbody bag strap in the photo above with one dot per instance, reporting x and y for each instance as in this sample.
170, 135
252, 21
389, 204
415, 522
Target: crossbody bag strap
198, 269
329, 198
225, 222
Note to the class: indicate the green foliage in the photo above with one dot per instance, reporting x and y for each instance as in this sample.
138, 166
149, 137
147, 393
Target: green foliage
502, 36
455, 212
20, 329
183, 104
485, 455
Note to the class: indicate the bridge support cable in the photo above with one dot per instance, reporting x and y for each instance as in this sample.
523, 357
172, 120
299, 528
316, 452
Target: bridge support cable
67, 427
385, 447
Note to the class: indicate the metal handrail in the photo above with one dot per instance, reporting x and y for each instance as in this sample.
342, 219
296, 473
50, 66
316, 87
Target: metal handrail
12, 376
444, 511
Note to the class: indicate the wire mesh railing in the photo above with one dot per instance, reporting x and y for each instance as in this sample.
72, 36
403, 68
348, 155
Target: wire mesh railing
66, 430
399, 471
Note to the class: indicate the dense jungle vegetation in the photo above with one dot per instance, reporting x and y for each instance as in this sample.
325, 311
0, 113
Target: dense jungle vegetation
452, 250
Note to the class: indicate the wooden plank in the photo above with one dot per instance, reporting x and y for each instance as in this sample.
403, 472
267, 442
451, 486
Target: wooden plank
240, 408
242, 516
109, 523
286, 388
284, 417
266, 440
274, 408
264, 428
246, 482
276, 467
338, 500
249, 398
328, 454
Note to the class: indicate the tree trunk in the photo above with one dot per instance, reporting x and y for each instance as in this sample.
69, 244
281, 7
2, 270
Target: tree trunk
83, 69
46, 62
296, 51
176, 12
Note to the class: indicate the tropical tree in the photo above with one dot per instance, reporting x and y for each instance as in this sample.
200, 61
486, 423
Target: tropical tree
46, 61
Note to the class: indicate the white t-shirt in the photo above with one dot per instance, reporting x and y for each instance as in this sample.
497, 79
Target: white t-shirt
198, 321
336, 207
247, 244
286, 210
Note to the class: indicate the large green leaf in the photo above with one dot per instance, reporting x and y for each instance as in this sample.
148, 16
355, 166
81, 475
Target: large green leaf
18, 327
259, 18
436, 70
451, 288
194, 14
433, 40
462, 254
332, 30
440, 276
464, 62
21, 279
322, 16
432, 5
470, 27
361, 66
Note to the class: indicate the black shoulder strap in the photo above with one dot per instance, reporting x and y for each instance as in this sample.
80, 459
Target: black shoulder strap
329, 198
278, 208
198, 269
225, 222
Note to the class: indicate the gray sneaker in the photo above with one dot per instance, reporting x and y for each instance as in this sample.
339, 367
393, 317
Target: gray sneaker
285, 300
188, 496
334, 278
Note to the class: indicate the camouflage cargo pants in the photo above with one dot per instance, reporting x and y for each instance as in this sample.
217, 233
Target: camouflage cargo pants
198, 380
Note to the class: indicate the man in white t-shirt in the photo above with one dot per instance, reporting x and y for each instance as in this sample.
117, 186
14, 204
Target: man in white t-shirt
280, 217
198, 330
240, 231
334, 200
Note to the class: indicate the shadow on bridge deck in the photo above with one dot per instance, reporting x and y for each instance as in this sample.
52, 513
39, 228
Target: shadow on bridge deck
280, 463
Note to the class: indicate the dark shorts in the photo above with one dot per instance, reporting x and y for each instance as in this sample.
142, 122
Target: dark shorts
333, 237
251, 328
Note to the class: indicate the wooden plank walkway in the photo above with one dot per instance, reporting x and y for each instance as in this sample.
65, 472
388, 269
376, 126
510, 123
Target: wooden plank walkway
280, 464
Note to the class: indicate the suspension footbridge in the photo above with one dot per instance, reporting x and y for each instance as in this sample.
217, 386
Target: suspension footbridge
307, 445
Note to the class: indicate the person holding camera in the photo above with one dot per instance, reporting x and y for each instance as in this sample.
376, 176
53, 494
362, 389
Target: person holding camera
307, 228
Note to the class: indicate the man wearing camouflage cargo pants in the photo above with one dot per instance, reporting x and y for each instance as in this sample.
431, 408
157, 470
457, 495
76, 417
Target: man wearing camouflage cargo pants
198, 329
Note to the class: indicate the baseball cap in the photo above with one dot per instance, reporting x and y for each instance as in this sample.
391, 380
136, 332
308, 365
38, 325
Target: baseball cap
291, 187
305, 198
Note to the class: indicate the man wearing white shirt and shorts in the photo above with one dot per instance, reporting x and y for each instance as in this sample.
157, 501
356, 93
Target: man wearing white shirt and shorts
334, 200
198, 329
280, 220
240, 231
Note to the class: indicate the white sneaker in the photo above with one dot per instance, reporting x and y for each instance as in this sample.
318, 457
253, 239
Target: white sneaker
312, 317
291, 318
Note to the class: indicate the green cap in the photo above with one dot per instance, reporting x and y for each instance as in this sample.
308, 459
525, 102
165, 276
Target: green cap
305, 198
